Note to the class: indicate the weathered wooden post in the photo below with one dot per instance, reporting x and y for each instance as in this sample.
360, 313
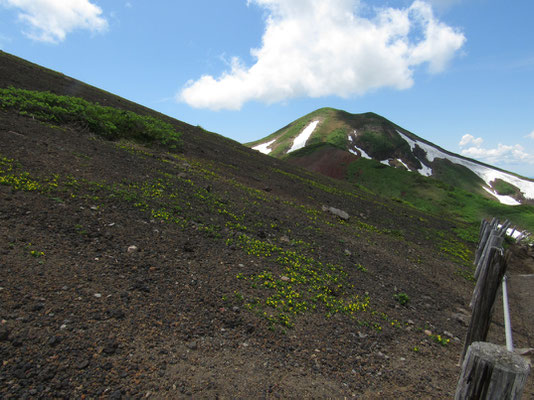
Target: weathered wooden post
484, 298
490, 372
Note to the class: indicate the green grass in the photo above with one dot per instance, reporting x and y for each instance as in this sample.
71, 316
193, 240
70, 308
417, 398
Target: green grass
108, 122
436, 197
504, 188
380, 145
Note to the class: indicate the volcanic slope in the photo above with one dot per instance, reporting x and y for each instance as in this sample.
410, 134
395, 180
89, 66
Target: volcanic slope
129, 269
358, 147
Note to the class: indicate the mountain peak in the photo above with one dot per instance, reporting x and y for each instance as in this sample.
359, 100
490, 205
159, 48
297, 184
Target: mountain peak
372, 137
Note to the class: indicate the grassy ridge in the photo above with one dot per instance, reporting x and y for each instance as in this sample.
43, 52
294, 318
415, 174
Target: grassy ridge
108, 122
434, 196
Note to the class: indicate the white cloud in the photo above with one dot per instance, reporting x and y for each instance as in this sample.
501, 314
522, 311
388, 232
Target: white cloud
51, 20
503, 154
466, 139
320, 48
531, 135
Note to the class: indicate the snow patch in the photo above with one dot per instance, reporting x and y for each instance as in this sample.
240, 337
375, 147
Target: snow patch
362, 153
403, 163
385, 162
514, 233
507, 200
487, 174
424, 170
302, 138
264, 147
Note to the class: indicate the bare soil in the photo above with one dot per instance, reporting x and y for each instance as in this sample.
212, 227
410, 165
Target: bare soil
85, 315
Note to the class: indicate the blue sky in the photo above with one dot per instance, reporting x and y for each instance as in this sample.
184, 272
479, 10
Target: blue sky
459, 73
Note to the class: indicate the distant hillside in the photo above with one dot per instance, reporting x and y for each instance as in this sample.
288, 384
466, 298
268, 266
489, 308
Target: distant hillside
359, 147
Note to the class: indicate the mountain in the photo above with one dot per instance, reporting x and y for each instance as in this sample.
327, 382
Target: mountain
141, 256
337, 143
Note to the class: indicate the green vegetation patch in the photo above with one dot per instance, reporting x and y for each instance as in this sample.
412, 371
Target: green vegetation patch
504, 188
436, 197
108, 122
305, 285
381, 145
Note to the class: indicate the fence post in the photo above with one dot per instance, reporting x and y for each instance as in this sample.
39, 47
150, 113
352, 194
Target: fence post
484, 297
490, 372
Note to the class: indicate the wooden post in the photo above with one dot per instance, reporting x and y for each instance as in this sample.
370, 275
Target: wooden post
490, 372
485, 230
494, 240
484, 298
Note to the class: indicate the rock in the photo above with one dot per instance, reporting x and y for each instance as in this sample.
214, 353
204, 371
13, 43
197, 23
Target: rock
117, 314
461, 318
110, 347
337, 212
192, 345
4, 333
427, 332
82, 364
133, 249
284, 239
284, 278
54, 341
347, 252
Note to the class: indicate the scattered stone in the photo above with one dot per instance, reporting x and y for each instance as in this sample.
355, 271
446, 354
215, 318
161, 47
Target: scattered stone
4, 333
427, 332
117, 314
54, 341
461, 318
110, 347
82, 364
347, 252
362, 335
188, 248
285, 278
192, 345
284, 239
98, 295
133, 249
337, 212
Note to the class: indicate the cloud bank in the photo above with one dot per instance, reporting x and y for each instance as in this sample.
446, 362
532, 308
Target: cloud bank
502, 154
51, 20
330, 47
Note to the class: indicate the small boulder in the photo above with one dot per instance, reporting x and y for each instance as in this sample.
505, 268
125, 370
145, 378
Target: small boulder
337, 212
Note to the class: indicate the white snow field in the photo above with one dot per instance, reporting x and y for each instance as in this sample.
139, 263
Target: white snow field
487, 174
302, 138
264, 147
